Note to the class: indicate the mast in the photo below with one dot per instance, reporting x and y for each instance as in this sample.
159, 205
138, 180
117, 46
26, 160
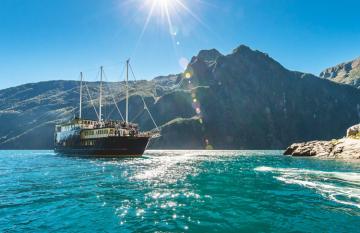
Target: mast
80, 105
127, 91
100, 96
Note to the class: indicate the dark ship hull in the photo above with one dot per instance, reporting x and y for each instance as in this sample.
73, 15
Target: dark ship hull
104, 147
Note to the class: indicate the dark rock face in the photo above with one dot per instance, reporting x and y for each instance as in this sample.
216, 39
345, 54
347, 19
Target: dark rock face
244, 100
253, 102
209, 55
347, 73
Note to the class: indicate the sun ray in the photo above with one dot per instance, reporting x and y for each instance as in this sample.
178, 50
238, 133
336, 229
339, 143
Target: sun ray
175, 15
146, 24
170, 25
187, 9
167, 10
148, 18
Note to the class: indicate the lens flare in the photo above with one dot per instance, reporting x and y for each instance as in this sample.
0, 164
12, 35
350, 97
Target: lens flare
176, 17
171, 13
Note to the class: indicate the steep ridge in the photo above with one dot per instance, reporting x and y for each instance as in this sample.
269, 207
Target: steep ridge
346, 73
243, 100
249, 101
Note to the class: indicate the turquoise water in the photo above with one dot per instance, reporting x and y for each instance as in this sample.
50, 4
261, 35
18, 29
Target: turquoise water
178, 191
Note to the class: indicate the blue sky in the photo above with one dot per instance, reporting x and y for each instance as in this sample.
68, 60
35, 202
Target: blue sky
56, 39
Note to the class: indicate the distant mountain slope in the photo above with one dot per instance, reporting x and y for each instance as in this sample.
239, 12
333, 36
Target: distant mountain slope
244, 100
347, 73
28, 113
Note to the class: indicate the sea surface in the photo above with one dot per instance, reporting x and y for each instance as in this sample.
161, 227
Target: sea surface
178, 191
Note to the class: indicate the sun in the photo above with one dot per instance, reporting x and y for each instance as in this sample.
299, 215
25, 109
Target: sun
169, 12
163, 10
163, 2
175, 17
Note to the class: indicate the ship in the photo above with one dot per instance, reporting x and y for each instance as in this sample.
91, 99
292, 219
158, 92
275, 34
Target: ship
103, 138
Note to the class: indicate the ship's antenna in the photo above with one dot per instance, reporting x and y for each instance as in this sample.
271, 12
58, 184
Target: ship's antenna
100, 96
127, 91
80, 105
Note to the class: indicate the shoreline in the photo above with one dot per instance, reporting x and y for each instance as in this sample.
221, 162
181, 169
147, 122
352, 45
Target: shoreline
347, 148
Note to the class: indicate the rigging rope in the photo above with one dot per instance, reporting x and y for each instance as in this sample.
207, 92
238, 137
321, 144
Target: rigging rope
108, 117
112, 96
142, 98
91, 101
145, 105
139, 114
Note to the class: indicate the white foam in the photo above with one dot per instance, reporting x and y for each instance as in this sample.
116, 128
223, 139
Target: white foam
264, 169
322, 182
329, 191
345, 176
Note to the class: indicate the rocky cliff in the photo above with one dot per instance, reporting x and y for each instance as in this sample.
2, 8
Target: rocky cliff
347, 73
347, 148
243, 100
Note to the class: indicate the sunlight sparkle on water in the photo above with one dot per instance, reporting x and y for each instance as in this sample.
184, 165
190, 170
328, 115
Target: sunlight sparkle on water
178, 191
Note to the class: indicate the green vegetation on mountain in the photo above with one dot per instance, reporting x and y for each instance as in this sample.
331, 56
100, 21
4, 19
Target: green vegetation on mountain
244, 100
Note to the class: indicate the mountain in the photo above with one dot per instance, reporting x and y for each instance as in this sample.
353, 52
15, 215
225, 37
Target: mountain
243, 100
247, 100
347, 73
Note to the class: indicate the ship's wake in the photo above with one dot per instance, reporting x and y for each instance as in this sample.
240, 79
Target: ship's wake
341, 187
